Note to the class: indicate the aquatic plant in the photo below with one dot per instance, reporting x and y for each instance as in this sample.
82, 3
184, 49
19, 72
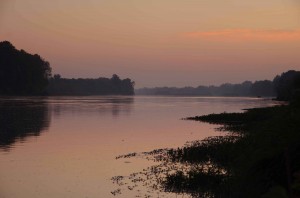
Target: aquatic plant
261, 157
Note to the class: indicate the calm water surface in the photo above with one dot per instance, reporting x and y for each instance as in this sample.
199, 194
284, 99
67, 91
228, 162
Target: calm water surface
60, 147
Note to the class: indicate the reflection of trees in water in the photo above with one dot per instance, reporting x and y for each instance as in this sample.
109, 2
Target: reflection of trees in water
121, 105
24, 118
20, 119
100, 106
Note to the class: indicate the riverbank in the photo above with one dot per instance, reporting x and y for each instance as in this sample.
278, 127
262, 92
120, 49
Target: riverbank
259, 157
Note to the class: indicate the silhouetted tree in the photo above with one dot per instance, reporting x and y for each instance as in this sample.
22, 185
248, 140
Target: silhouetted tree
115, 79
22, 73
286, 84
57, 76
262, 88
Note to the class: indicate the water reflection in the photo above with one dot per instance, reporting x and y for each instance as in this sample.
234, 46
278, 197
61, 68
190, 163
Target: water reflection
20, 119
24, 117
76, 157
114, 105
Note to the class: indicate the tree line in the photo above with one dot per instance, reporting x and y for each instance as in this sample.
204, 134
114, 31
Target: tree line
22, 73
284, 87
99, 86
247, 88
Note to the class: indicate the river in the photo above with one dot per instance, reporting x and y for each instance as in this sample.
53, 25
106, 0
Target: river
67, 146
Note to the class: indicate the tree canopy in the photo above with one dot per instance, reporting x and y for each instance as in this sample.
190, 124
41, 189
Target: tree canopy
22, 73
89, 86
287, 84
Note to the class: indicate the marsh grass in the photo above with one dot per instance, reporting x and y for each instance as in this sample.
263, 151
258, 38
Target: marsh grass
260, 158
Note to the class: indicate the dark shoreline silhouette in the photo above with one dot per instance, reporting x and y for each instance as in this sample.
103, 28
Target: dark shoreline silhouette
24, 74
85, 87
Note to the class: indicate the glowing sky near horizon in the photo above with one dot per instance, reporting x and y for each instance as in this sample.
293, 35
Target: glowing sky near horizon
158, 42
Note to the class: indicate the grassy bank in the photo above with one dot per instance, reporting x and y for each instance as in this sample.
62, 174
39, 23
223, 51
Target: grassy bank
260, 157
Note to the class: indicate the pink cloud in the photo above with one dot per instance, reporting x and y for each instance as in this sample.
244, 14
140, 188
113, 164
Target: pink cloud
246, 35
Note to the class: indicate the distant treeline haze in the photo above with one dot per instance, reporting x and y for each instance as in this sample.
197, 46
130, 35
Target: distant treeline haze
283, 86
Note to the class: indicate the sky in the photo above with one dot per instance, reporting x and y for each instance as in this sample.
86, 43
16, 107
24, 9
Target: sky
158, 42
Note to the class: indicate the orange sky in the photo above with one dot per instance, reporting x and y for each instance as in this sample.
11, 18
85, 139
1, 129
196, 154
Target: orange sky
158, 42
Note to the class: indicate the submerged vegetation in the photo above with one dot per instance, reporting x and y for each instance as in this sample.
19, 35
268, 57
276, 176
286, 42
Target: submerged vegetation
260, 157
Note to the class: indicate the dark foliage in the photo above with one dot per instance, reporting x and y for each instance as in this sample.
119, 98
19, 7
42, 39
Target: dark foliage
22, 73
263, 157
100, 86
287, 85
262, 88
